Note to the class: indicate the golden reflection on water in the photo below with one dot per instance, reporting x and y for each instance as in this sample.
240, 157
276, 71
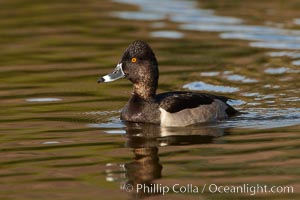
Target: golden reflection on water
206, 157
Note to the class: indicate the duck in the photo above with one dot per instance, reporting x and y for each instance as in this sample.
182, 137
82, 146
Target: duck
139, 65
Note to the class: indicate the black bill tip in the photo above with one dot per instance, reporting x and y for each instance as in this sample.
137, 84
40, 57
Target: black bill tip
100, 80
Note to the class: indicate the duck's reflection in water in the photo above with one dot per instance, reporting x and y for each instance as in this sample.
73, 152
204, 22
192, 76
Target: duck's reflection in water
145, 140
142, 171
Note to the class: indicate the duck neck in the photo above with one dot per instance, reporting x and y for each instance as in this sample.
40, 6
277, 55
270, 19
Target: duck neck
145, 91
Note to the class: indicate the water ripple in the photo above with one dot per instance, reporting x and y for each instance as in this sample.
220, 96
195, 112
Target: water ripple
43, 99
197, 19
210, 73
289, 54
199, 85
280, 70
277, 45
139, 15
240, 78
261, 118
296, 62
297, 21
167, 34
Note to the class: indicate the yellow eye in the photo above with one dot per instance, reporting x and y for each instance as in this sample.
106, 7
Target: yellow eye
133, 60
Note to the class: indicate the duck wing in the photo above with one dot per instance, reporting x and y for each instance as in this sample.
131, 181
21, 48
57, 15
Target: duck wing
177, 101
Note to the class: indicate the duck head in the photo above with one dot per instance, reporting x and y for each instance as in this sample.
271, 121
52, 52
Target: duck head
139, 65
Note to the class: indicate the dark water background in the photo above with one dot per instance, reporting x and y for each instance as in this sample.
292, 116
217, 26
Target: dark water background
61, 137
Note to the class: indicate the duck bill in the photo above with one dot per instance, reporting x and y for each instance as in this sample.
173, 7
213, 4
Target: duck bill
115, 75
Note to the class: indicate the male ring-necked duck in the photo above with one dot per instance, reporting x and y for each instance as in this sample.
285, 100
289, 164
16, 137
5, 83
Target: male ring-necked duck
179, 108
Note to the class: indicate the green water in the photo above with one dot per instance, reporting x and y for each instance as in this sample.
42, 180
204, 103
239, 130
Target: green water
73, 145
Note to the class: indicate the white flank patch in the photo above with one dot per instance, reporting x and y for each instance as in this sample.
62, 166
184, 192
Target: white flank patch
203, 113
